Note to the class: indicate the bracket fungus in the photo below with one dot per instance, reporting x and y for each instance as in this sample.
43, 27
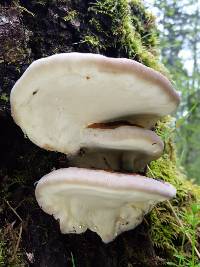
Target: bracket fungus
106, 106
59, 96
104, 202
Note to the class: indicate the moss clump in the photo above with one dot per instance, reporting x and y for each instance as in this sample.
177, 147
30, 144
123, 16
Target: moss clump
4, 97
144, 25
71, 16
127, 27
165, 229
92, 40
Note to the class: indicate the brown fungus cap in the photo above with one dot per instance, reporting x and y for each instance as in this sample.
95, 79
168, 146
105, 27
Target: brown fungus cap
59, 96
104, 202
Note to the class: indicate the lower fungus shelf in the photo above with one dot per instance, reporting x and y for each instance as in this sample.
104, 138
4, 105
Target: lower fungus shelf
107, 203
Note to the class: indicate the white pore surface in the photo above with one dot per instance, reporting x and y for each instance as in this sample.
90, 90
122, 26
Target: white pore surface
104, 202
60, 95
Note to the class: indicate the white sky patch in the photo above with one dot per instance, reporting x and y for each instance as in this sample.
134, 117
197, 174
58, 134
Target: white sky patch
186, 56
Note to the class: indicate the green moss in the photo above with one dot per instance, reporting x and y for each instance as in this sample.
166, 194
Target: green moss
127, 27
144, 24
4, 97
92, 40
71, 16
165, 230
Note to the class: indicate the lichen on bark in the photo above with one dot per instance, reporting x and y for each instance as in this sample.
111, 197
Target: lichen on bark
33, 29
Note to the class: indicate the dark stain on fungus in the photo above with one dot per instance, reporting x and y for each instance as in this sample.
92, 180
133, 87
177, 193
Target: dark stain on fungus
87, 77
35, 92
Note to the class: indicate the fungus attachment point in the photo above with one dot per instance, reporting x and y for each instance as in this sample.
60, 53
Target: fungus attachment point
104, 202
125, 147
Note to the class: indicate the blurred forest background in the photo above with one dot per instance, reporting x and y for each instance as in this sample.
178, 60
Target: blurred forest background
179, 30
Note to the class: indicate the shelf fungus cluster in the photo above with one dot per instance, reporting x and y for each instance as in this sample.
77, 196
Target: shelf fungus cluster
99, 111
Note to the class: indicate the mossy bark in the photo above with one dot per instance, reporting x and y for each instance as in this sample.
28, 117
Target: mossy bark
37, 28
